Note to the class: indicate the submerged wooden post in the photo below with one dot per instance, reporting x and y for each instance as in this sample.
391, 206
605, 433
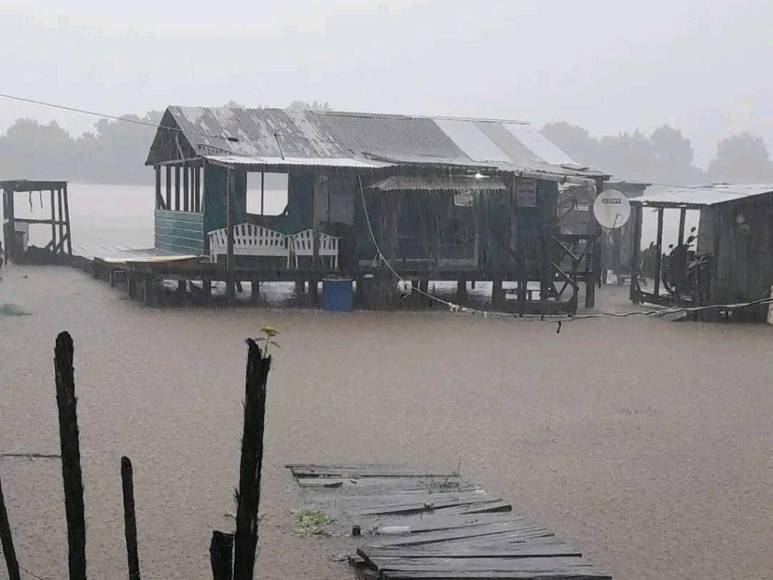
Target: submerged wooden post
248, 495
59, 249
67, 220
636, 216
53, 222
659, 257
6, 540
71, 456
129, 518
221, 555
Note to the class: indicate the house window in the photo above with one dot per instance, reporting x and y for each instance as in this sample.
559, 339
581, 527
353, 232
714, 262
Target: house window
266, 193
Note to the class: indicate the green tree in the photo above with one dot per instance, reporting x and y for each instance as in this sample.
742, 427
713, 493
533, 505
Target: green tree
741, 158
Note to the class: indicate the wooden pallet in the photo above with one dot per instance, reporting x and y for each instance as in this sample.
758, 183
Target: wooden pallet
451, 528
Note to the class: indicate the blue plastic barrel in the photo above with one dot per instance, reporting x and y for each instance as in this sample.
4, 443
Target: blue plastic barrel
337, 294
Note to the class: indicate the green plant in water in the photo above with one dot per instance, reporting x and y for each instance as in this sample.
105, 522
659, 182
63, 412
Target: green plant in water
269, 332
12, 310
311, 522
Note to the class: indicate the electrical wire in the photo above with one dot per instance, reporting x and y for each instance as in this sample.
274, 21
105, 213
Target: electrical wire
114, 117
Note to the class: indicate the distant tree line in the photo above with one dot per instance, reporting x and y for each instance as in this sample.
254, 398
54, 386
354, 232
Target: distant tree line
666, 156
115, 152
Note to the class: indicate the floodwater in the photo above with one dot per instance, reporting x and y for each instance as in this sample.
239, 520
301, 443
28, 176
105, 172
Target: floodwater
645, 442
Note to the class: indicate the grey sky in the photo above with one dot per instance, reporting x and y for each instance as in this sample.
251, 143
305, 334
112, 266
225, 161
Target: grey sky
609, 65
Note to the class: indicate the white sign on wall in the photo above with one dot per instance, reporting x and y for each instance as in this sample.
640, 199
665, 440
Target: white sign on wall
526, 192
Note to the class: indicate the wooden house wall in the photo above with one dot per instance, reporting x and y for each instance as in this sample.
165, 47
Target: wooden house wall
743, 252
179, 232
215, 188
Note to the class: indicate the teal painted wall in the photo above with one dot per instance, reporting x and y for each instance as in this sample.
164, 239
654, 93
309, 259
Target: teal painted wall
215, 183
179, 232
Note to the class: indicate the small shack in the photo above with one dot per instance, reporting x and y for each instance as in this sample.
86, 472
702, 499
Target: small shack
728, 260
453, 199
16, 229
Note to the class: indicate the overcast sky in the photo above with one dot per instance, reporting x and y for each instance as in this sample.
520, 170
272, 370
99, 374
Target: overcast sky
703, 66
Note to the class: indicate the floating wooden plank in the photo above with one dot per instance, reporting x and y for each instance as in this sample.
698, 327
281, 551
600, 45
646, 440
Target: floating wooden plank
567, 567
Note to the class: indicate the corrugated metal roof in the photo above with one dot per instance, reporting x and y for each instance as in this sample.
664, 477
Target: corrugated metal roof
438, 183
298, 161
699, 196
511, 146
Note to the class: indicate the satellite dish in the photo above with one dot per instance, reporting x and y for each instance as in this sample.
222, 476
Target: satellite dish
611, 209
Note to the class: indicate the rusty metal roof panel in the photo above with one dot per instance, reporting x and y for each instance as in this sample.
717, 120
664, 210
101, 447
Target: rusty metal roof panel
396, 136
255, 132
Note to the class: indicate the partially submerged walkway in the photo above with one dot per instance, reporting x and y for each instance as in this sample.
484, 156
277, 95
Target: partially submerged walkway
432, 524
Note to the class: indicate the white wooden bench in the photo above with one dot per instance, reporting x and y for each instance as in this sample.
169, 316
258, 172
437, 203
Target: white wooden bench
249, 240
302, 244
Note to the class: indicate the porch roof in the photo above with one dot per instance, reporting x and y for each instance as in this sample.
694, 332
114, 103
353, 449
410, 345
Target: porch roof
439, 183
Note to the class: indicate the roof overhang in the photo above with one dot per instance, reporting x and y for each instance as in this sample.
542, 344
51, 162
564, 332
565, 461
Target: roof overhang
434, 183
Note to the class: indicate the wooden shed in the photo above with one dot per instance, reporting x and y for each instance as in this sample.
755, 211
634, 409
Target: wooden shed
730, 258
444, 198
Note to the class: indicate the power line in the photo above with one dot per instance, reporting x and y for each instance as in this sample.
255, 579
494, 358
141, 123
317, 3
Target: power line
113, 117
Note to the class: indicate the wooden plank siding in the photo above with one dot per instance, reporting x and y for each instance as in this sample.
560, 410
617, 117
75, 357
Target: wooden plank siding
179, 232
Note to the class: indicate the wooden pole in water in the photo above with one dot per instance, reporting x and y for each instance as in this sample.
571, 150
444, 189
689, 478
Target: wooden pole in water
7, 541
229, 218
129, 518
67, 220
221, 555
71, 457
248, 495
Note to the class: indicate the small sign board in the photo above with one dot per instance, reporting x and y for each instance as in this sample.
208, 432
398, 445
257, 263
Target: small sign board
526, 193
463, 200
611, 209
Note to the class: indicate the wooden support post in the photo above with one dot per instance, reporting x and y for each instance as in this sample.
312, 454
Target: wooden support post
248, 496
67, 220
129, 518
635, 253
186, 187
197, 188
177, 188
59, 249
318, 189
682, 218
254, 289
497, 293
659, 257
168, 202
159, 199
590, 273
262, 192
221, 555
229, 257
6, 540
547, 279
599, 268
53, 221
206, 287
71, 456
461, 290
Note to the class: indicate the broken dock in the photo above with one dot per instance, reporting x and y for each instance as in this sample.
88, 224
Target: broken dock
406, 523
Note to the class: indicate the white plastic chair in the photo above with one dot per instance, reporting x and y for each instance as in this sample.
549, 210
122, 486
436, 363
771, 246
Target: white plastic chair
302, 244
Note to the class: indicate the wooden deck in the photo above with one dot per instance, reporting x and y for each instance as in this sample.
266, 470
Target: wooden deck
432, 524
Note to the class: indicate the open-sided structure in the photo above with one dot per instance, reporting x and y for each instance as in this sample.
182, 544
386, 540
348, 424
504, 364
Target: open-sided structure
729, 261
16, 229
443, 198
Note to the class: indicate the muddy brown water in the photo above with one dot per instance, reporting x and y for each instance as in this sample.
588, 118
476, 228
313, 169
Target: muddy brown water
647, 443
